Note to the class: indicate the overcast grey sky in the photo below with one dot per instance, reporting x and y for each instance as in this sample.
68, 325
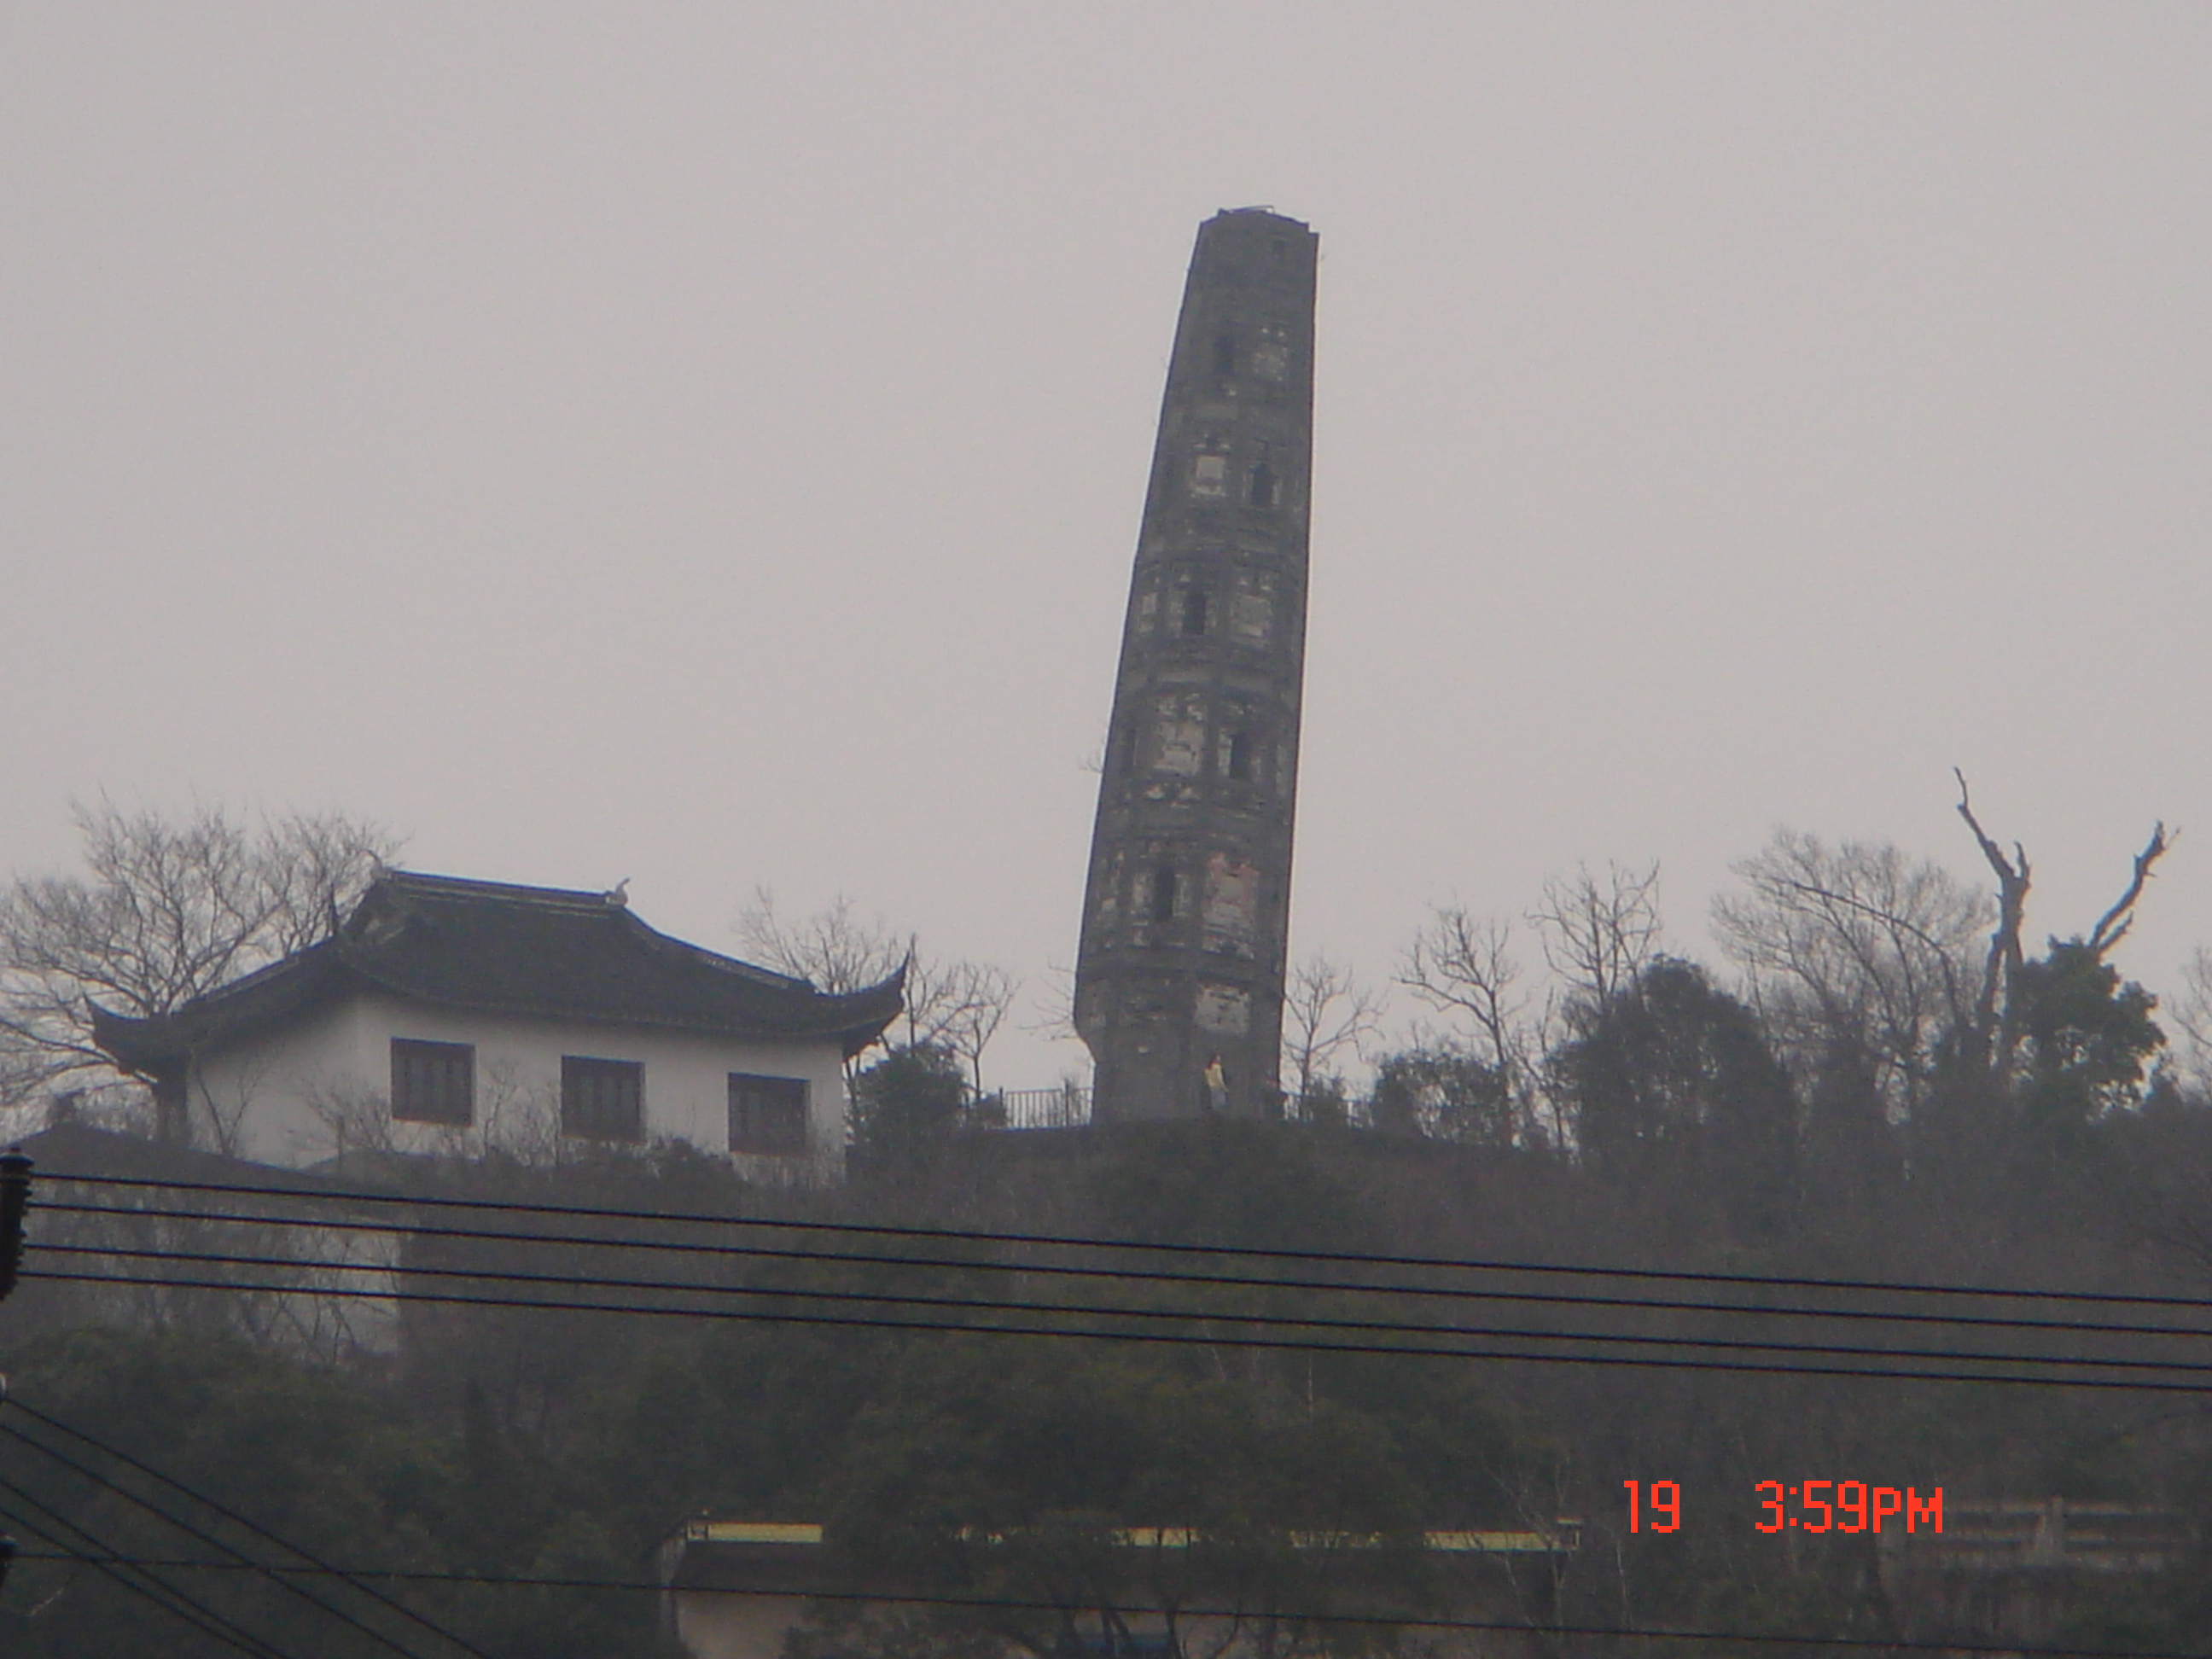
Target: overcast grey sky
705, 443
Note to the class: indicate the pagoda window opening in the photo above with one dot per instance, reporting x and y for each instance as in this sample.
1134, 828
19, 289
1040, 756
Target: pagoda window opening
1195, 608
1262, 491
1163, 893
1240, 757
1224, 354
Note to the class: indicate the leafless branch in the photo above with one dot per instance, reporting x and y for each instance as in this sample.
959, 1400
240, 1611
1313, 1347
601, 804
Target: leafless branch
1597, 935
1464, 963
1855, 947
1995, 1023
979, 996
950, 1003
1054, 1005
2113, 927
169, 908
1325, 1011
835, 949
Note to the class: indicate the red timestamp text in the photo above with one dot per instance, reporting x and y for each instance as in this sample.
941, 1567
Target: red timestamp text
1846, 1506
1805, 1505
1666, 1499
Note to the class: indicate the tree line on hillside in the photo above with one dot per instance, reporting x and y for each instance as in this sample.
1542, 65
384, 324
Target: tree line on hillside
1884, 988
1892, 1085
509, 1444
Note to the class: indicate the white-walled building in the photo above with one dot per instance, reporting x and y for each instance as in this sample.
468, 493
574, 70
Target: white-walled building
446, 1015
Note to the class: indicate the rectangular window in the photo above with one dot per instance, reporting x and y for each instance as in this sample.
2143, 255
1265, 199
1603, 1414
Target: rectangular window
434, 1082
767, 1114
602, 1099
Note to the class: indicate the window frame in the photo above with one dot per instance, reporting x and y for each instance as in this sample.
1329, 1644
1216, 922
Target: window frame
406, 1099
577, 1072
794, 1141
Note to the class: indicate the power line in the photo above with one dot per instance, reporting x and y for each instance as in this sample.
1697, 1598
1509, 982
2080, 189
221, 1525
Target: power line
1272, 1321
156, 1588
1236, 1340
247, 1523
200, 1536
1143, 1275
1264, 1252
1213, 1339
503, 1580
209, 1538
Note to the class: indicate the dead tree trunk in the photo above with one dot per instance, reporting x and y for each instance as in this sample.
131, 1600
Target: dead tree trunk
1994, 1038
1992, 1043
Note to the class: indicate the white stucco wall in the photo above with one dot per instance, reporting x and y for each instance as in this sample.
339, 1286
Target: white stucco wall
303, 1093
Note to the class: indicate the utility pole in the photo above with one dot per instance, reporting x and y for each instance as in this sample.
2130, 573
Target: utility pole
14, 1201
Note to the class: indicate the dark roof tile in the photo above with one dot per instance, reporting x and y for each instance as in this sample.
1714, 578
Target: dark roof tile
491, 947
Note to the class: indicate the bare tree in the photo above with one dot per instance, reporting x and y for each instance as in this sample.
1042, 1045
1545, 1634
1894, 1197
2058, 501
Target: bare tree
2191, 1013
835, 949
1994, 1028
1854, 948
1465, 965
1325, 1011
1996, 1031
946, 998
172, 909
977, 999
1054, 1006
317, 866
951, 1003
1598, 932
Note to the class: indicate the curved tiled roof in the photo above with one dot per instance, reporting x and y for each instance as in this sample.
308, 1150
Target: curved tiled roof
539, 952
